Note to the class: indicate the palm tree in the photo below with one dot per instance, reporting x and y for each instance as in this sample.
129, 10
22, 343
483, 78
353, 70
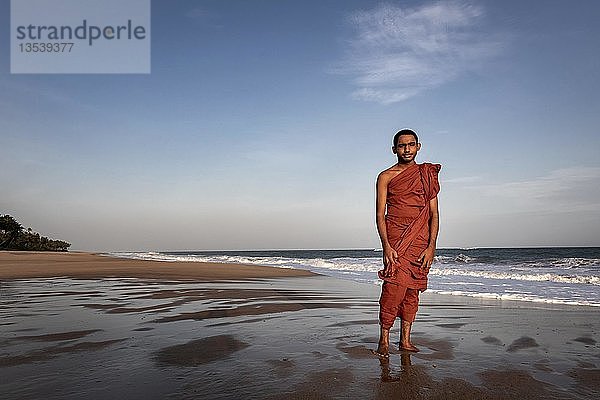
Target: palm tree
11, 229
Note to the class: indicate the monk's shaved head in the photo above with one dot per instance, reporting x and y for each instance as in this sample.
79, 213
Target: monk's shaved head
405, 132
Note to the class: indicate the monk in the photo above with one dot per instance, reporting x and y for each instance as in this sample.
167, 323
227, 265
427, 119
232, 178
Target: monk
407, 223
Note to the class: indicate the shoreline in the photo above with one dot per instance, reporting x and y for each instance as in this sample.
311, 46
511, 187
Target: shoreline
562, 277
15, 265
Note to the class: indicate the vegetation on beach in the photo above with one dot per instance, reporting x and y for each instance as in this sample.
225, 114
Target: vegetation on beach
14, 237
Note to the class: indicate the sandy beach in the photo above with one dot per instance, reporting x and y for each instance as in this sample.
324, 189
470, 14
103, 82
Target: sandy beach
31, 264
80, 325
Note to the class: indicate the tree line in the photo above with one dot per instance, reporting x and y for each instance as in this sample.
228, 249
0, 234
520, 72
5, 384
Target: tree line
14, 237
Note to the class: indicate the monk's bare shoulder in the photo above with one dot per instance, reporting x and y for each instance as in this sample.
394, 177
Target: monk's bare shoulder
387, 174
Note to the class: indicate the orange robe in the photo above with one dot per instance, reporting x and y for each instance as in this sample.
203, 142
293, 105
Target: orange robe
407, 221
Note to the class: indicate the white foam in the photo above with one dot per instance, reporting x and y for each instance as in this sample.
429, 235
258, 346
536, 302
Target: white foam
516, 297
460, 258
525, 282
576, 262
539, 277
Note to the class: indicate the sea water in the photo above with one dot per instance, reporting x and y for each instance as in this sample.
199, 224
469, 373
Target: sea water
565, 275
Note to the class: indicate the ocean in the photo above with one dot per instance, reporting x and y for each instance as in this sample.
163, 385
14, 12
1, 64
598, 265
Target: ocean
562, 275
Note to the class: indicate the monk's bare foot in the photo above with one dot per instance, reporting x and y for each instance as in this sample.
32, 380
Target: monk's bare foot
408, 347
382, 350
380, 354
384, 343
405, 343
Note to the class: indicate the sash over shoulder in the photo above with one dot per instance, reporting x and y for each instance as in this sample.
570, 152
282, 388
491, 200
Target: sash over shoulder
407, 220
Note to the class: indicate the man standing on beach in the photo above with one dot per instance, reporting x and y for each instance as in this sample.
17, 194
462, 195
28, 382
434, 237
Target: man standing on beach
407, 223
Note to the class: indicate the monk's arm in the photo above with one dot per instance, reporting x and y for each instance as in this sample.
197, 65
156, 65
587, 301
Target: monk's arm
428, 254
389, 254
434, 222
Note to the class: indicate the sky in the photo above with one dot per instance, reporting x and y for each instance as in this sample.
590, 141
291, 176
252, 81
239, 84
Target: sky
263, 125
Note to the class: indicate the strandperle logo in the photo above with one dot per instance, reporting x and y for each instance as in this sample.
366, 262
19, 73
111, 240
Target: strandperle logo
85, 31
80, 36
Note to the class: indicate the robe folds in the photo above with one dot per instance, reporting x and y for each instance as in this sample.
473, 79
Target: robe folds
407, 222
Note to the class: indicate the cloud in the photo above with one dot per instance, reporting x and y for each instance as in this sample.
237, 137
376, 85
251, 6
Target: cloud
563, 190
397, 53
557, 208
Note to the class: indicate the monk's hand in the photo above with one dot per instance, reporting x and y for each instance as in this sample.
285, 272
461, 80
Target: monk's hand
390, 259
426, 258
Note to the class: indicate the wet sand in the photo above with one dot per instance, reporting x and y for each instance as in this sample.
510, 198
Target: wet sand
65, 336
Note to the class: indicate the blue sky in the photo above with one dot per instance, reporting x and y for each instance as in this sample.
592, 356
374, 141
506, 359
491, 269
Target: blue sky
263, 125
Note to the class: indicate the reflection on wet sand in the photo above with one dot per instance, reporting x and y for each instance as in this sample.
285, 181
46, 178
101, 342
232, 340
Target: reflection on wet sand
408, 381
289, 338
402, 380
386, 371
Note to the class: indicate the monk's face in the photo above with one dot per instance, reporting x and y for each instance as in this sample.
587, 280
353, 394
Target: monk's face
406, 149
